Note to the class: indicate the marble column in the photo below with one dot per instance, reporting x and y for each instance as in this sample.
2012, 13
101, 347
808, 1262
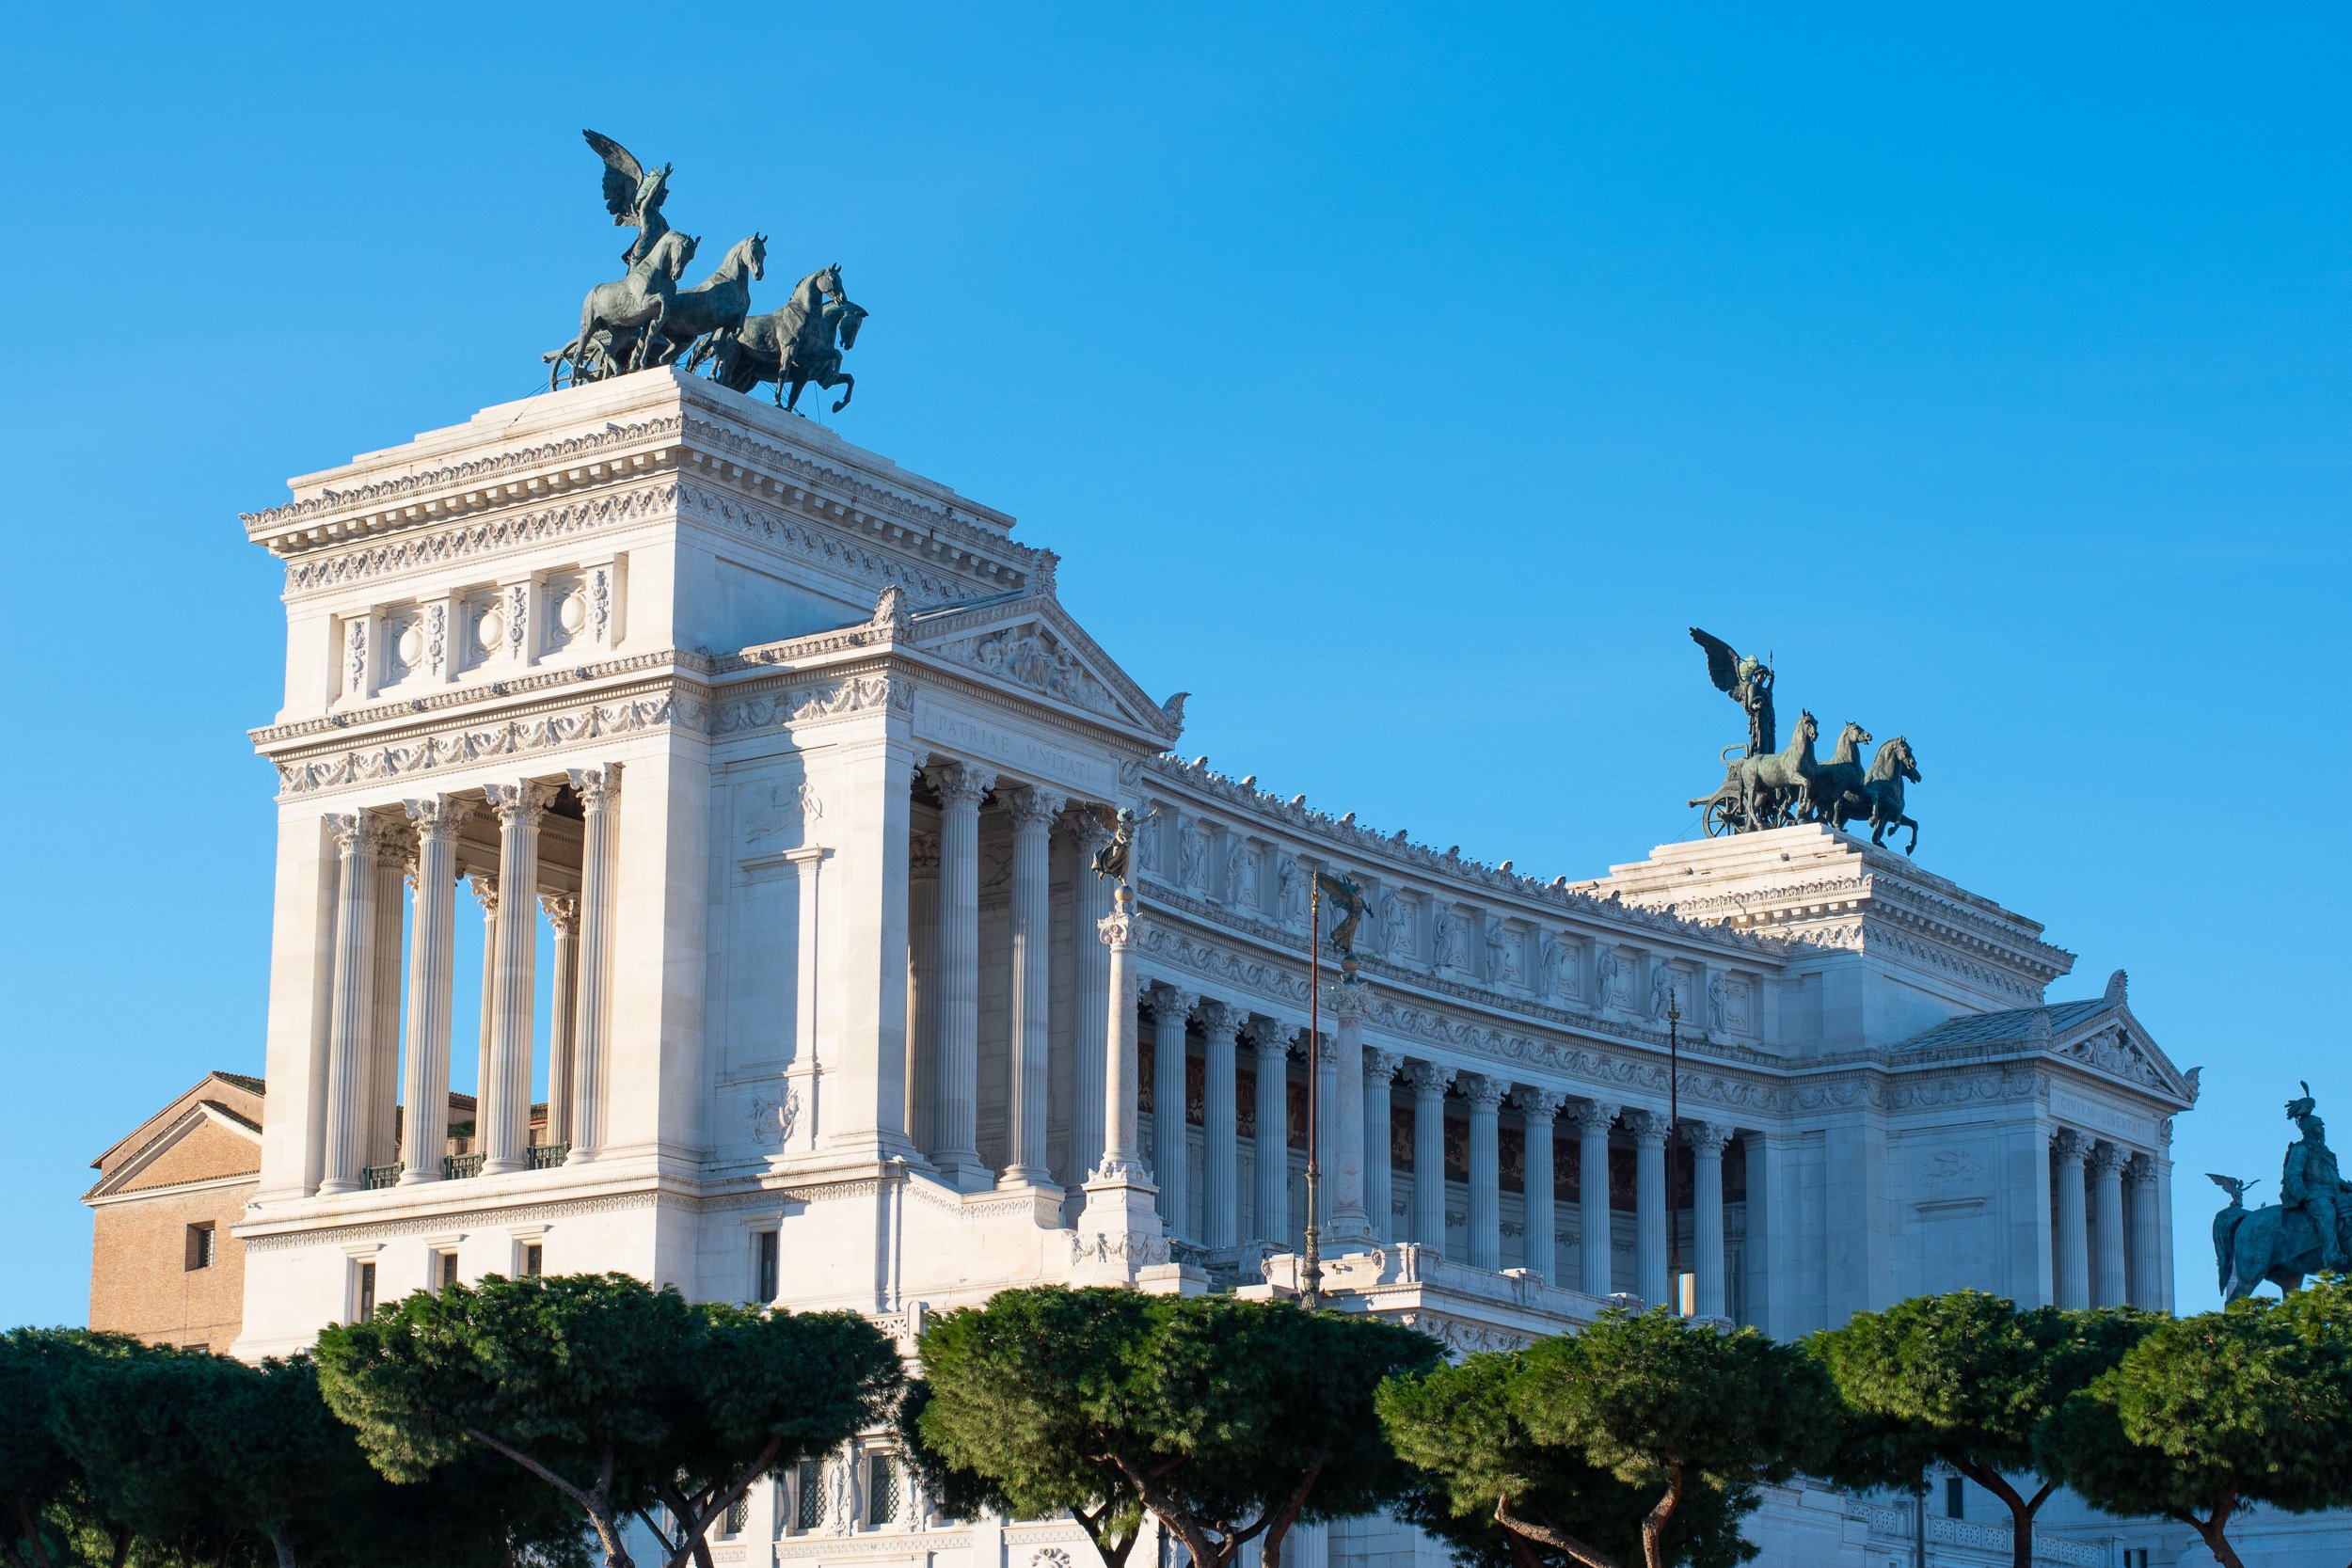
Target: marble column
1220, 1131
2074, 1240
1379, 1175
351, 1017
1168, 1009
1033, 811
432, 976
485, 894
562, 913
1707, 1141
383, 1068
505, 1114
1595, 1244
923, 1007
1090, 974
1650, 1218
1273, 1168
2108, 1264
1429, 1082
1540, 1107
1351, 1228
955, 1117
1119, 1227
2144, 1287
599, 792
1484, 1095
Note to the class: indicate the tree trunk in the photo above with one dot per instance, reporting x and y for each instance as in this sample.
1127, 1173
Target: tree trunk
597, 1504
1278, 1526
32, 1533
2213, 1532
1654, 1523
2021, 1508
284, 1547
1518, 1532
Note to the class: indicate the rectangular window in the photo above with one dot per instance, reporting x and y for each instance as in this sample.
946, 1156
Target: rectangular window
363, 1291
444, 1270
1955, 1495
764, 1276
200, 1246
808, 1500
881, 1491
738, 1514
531, 1257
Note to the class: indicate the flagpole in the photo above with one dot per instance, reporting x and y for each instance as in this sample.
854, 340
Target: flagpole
1674, 1141
1310, 1273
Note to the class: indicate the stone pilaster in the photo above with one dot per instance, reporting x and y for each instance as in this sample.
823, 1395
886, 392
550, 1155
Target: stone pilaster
922, 998
2073, 1239
1541, 1109
383, 1068
505, 1099
1707, 1141
599, 792
1650, 1218
352, 1016
1220, 1135
1033, 811
1484, 1095
432, 978
1169, 1008
1429, 1082
955, 1118
1380, 1069
1594, 1244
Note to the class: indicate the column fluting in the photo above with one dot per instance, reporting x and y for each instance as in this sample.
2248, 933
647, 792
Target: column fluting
1380, 1069
2144, 1288
2074, 1239
923, 1001
1026, 1102
383, 1068
2107, 1185
955, 1120
351, 1017
1429, 1082
1707, 1141
1594, 1244
563, 915
506, 1097
432, 978
1122, 1144
1273, 1166
1540, 1107
1090, 986
599, 792
1650, 1218
1168, 1008
1485, 1094
1220, 1135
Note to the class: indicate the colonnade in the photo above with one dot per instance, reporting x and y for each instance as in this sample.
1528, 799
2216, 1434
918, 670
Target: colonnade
367, 1057
2106, 1229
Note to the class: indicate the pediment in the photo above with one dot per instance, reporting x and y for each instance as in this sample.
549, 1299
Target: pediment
1028, 643
2114, 1042
206, 1121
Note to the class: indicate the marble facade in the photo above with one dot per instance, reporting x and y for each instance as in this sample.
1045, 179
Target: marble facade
795, 760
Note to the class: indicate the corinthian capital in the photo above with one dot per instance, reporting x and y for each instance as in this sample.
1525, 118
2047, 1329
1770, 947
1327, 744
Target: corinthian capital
1351, 999
523, 804
2068, 1143
1219, 1018
1381, 1066
1163, 1002
437, 816
2105, 1157
959, 784
1483, 1090
1539, 1104
357, 833
1428, 1078
1707, 1137
1594, 1117
1033, 809
598, 788
562, 912
1647, 1127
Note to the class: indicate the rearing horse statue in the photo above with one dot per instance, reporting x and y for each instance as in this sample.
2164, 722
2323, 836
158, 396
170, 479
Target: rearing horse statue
792, 343
718, 302
631, 307
1766, 781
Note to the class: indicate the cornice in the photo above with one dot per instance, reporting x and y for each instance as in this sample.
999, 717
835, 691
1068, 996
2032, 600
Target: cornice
323, 570
1344, 841
482, 693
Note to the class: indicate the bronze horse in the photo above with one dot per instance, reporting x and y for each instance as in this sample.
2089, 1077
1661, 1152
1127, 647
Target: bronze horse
2251, 1246
794, 343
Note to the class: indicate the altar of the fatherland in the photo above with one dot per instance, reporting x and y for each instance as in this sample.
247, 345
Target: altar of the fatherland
803, 765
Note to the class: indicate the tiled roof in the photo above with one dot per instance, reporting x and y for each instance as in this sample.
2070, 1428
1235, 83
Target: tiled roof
2015, 1023
246, 1081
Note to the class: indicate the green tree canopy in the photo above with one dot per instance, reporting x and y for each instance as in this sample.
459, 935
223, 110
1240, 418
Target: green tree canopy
1640, 1434
1229, 1420
2253, 1403
43, 1502
1459, 1427
616, 1395
1967, 1379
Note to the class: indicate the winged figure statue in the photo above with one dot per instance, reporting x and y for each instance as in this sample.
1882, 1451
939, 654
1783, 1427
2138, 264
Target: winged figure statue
633, 195
1746, 681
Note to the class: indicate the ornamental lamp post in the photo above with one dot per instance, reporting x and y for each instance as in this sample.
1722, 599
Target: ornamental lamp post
1683, 1286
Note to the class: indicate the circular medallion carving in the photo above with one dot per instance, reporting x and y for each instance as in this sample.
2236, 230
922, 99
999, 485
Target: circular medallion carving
572, 613
410, 647
488, 630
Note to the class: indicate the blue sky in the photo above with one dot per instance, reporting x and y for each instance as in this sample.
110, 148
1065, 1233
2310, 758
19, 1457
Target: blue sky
1400, 381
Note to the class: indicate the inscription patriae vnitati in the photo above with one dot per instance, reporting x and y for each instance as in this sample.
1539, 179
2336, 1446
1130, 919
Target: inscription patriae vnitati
1024, 754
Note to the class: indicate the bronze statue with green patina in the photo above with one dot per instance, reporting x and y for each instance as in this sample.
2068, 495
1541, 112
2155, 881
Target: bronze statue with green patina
2303, 1233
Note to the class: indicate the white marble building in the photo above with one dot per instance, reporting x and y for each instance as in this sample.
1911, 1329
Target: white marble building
796, 753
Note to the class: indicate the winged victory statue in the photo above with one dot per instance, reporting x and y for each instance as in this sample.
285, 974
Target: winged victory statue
633, 195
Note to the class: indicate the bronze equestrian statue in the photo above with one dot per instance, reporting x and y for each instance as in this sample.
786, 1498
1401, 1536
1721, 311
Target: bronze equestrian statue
2300, 1235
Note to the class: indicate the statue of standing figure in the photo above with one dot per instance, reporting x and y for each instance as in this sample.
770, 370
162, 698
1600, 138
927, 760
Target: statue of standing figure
2301, 1234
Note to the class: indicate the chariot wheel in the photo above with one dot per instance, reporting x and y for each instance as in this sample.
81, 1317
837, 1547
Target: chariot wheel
1721, 817
570, 367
